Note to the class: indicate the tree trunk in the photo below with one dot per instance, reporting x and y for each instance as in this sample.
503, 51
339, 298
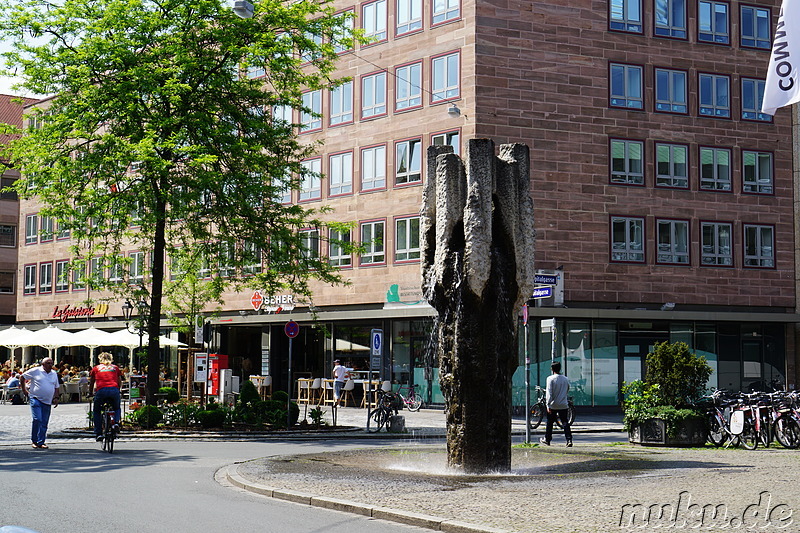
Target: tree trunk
154, 318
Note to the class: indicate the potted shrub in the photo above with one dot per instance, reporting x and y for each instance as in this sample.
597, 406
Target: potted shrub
660, 409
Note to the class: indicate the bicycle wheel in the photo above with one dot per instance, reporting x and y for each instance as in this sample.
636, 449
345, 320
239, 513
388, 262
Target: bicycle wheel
716, 434
108, 434
571, 413
414, 401
537, 413
764, 433
376, 420
787, 432
749, 436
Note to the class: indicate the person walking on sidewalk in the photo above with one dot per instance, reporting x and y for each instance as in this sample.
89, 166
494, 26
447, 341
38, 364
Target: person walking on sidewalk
557, 404
43, 394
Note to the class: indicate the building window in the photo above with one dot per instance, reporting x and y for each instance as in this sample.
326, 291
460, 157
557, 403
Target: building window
8, 236
445, 77
282, 114
30, 280
759, 246
62, 276
625, 15
373, 17
671, 91
5, 193
96, 268
627, 162
311, 180
714, 95
406, 239
116, 270
373, 95
373, 243
712, 22
445, 10
311, 55
447, 138
226, 263
64, 231
715, 169
251, 257
409, 16
626, 86
627, 240
337, 256
47, 229
45, 277
31, 229
78, 271
255, 71
373, 168
283, 189
672, 166
137, 267
673, 242
756, 27
342, 104
408, 86
340, 174
670, 18
752, 96
757, 172
343, 33
7, 282
310, 119
408, 162
716, 244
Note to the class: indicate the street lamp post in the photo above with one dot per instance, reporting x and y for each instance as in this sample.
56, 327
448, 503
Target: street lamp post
141, 309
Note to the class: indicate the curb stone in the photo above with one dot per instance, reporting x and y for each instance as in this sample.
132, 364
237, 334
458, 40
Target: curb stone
383, 513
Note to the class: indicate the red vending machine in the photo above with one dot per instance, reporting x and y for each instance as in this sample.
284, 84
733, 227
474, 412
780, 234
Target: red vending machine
216, 362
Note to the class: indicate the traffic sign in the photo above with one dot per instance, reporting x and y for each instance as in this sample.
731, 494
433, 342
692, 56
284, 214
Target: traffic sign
377, 341
291, 329
256, 300
545, 279
542, 292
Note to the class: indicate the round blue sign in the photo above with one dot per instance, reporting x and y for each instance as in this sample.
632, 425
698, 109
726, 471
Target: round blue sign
291, 329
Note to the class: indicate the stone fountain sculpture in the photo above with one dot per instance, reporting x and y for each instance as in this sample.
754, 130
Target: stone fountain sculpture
477, 269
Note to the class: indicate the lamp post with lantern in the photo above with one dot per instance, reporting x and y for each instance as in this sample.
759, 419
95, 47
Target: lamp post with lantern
142, 310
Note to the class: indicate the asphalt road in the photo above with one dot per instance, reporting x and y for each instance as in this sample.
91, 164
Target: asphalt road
157, 486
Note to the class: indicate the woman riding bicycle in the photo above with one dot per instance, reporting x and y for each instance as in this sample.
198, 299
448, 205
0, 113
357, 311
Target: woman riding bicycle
105, 380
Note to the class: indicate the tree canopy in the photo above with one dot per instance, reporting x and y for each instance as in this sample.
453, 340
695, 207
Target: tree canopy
161, 136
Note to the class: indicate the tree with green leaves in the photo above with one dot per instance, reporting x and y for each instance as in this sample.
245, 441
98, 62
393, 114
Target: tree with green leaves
156, 139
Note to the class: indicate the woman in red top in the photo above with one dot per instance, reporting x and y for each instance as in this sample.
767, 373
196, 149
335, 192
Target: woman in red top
105, 380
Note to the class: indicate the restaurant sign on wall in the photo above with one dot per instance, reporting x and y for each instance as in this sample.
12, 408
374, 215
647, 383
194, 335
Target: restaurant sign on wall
68, 311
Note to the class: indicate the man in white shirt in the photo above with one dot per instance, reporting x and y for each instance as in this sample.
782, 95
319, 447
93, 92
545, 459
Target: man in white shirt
43, 394
340, 375
557, 404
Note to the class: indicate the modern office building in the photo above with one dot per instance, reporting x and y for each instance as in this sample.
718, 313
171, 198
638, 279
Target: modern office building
663, 198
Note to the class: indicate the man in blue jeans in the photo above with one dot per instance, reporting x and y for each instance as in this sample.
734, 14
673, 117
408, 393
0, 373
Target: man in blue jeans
43, 393
557, 404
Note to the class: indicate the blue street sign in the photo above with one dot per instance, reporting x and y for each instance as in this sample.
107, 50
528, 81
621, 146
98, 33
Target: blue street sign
545, 279
291, 329
542, 292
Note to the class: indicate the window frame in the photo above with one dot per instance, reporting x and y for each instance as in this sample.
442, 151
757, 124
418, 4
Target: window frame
447, 89
77, 271
716, 150
447, 17
412, 253
674, 253
716, 255
628, 173
448, 139
670, 101
46, 277
138, 261
411, 84
349, 27
410, 24
314, 178
672, 177
759, 87
30, 274
626, 24
62, 276
766, 46
374, 93
671, 30
369, 248
626, 68
310, 243
758, 257
768, 190
308, 122
11, 286
382, 186
338, 96
714, 32
410, 144
383, 36
47, 229
714, 107
336, 256
31, 229
628, 250
13, 233
347, 169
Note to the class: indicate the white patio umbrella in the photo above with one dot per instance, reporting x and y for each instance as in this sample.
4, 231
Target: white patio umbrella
13, 338
130, 340
51, 338
92, 338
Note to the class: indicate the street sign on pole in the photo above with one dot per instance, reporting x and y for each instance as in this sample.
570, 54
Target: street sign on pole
545, 279
291, 329
542, 292
376, 348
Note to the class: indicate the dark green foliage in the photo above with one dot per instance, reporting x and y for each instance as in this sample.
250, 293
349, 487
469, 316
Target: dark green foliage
681, 376
148, 416
248, 393
280, 396
211, 418
170, 394
212, 405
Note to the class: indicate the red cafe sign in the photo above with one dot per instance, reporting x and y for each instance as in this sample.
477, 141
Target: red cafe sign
68, 312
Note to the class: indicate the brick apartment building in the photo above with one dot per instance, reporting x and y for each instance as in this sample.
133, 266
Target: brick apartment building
663, 199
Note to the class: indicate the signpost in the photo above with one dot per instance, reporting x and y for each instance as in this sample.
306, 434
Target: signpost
291, 329
542, 292
527, 377
376, 360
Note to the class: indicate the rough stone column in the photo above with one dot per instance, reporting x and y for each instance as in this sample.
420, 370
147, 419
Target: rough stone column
477, 268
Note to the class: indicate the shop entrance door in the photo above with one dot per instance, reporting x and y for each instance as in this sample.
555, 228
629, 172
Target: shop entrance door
634, 347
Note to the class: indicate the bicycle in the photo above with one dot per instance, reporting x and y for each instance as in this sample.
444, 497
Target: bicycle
109, 433
414, 399
387, 405
539, 409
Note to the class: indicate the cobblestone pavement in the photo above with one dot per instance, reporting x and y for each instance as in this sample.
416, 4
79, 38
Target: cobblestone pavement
588, 488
